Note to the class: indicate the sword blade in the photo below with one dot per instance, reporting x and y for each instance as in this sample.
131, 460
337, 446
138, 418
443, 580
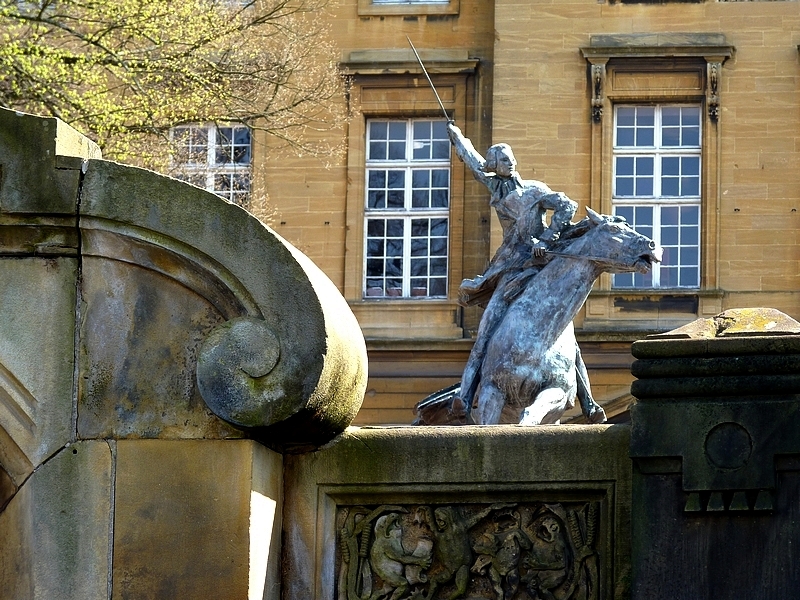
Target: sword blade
428, 77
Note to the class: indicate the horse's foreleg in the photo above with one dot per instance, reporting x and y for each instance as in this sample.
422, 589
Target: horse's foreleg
546, 409
490, 404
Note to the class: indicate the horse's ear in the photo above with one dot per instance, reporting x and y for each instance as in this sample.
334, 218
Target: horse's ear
594, 217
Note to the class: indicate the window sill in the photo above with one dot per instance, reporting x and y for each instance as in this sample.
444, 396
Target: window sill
367, 8
408, 318
651, 310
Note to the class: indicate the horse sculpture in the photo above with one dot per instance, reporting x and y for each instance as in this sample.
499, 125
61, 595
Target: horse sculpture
528, 372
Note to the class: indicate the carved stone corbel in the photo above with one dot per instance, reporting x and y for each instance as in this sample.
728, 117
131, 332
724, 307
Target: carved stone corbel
713, 71
598, 91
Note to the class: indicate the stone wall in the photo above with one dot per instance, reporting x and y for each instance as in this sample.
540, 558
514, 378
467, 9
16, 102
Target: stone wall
483, 486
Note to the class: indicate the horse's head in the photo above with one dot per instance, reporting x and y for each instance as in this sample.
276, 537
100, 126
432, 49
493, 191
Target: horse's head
614, 244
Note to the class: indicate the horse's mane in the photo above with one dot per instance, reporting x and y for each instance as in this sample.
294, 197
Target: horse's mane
573, 231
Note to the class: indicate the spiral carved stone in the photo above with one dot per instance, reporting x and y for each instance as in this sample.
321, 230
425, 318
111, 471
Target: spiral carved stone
236, 359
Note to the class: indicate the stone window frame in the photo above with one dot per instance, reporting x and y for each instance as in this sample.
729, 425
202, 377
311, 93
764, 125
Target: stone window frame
408, 7
390, 84
410, 166
634, 203
673, 68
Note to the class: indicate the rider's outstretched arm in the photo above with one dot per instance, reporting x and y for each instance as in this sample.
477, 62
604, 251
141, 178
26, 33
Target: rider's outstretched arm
467, 153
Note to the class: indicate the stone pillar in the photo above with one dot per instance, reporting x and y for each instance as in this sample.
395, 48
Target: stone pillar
715, 443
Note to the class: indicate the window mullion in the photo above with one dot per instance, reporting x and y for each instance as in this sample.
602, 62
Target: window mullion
211, 149
656, 269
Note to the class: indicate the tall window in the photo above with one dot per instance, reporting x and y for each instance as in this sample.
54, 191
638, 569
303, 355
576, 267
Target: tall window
407, 209
217, 158
657, 159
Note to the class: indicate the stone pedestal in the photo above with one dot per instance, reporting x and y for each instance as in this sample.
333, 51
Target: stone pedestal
715, 443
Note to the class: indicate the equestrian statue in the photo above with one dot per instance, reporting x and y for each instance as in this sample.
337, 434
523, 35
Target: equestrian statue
525, 366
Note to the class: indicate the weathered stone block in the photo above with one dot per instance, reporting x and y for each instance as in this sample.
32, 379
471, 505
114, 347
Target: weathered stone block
197, 519
37, 343
56, 531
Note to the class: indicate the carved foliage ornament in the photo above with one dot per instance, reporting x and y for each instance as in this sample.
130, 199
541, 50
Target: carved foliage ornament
503, 551
598, 77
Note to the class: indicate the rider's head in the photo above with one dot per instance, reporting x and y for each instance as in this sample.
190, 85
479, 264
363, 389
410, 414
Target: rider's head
500, 159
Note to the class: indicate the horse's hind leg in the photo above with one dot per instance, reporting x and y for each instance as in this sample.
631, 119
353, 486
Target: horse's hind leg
490, 404
593, 412
547, 408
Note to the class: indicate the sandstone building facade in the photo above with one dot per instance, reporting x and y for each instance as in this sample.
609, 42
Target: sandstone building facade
684, 117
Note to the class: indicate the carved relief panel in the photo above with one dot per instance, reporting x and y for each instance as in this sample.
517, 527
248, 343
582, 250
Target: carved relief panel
503, 551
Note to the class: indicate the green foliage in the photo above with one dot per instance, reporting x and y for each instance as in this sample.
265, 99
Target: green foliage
125, 71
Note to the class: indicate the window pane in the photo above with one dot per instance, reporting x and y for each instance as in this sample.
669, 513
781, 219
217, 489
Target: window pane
644, 186
645, 137
376, 227
438, 247
396, 179
669, 215
375, 269
419, 267
419, 247
689, 277
420, 199
689, 256
397, 130
397, 150
671, 165
669, 236
376, 179
625, 136
690, 186
670, 186
624, 165
626, 212
438, 266
440, 178
394, 227
624, 186
394, 267
378, 130
440, 198
420, 178
419, 227
690, 214
438, 287
439, 227
645, 116
669, 276
689, 236
377, 150
626, 116
644, 217
623, 280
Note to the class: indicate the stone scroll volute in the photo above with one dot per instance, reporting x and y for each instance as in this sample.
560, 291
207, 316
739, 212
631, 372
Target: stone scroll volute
276, 350
150, 285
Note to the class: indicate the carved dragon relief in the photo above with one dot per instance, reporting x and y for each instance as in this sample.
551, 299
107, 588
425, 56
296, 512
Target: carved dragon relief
503, 551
